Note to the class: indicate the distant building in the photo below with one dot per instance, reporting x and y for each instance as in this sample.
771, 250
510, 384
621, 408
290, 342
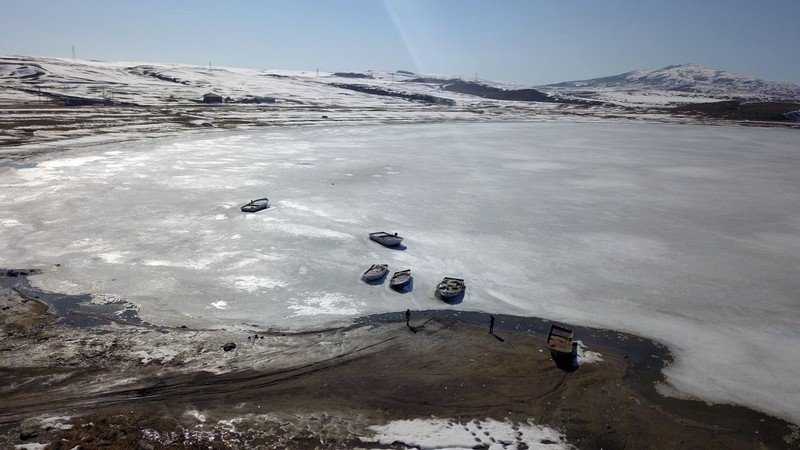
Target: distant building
212, 98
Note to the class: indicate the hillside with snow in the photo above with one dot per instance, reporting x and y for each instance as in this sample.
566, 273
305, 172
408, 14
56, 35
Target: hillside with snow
53, 102
676, 85
158, 84
49, 103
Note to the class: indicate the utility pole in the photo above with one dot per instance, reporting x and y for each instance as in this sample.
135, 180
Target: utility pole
73, 52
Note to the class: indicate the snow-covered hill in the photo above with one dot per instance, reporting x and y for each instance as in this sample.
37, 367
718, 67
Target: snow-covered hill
48, 103
159, 84
677, 84
151, 84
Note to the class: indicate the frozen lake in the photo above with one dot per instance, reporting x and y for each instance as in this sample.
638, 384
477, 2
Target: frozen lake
686, 234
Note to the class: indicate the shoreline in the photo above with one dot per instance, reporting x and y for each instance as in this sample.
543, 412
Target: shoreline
325, 388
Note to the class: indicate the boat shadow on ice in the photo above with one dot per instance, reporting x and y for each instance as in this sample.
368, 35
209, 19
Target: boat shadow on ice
375, 282
406, 288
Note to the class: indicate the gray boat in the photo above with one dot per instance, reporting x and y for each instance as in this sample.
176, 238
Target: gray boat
256, 205
387, 239
559, 341
375, 272
450, 287
400, 279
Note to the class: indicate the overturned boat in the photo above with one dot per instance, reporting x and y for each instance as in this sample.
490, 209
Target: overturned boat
450, 287
387, 239
400, 279
375, 272
256, 205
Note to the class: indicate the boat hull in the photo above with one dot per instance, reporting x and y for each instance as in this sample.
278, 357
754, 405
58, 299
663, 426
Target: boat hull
400, 279
256, 205
376, 272
450, 287
386, 239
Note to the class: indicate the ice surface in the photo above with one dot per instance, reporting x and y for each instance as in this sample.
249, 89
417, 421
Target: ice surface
686, 234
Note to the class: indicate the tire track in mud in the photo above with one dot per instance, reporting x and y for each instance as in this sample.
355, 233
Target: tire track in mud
193, 385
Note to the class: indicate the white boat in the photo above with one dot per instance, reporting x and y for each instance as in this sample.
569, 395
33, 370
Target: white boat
375, 272
387, 239
450, 287
256, 205
400, 279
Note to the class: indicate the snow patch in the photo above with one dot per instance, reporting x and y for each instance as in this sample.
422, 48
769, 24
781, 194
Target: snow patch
31, 446
159, 355
435, 434
196, 414
586, 356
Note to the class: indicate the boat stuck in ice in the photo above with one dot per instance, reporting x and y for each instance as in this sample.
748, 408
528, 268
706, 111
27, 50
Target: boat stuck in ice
400, 279
387, 239
375, 272
450, 287
256, 205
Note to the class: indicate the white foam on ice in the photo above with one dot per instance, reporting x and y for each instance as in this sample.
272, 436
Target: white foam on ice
252, 283
326, 304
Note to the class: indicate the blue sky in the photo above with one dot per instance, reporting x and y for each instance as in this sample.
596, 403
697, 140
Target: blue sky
521, 41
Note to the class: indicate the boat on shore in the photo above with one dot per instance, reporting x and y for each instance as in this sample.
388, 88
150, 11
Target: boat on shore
256, 205
375, 272
450, 287
400, 279
387, 239
559, 341
563, 348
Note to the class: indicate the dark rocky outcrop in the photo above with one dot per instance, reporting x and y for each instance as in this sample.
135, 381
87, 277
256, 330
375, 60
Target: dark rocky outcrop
411, 97
353, 75
482, 90
736, 110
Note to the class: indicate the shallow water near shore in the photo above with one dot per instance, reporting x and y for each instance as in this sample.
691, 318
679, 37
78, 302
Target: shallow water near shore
683, 234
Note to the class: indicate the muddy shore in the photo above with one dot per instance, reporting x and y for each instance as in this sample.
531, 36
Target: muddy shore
72, 376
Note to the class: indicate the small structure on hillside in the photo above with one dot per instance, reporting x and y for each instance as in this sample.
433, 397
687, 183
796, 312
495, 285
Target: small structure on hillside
212, 98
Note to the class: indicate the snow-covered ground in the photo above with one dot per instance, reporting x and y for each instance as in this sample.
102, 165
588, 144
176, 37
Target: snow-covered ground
432, 434
677, 85
686, 234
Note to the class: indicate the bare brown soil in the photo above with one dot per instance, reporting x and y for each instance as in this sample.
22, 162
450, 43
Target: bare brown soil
323, 389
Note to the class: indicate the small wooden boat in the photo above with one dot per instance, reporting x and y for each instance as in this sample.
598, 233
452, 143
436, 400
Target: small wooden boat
450, 287
375, 272
400, 279
387, 239
256, 205
559, 341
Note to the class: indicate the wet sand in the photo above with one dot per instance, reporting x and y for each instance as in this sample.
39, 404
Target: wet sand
134, 385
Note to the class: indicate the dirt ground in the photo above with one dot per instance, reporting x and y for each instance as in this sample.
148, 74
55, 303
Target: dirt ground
125, 385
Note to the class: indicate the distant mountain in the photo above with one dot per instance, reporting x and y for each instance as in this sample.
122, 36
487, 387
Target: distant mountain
684, 83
